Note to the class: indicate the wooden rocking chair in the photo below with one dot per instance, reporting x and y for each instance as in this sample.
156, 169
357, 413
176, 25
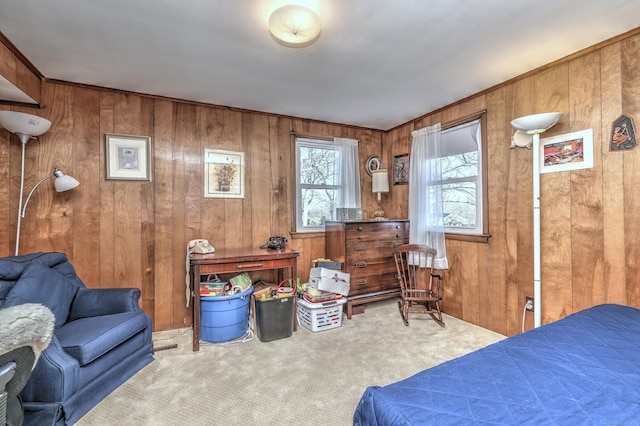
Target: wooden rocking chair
420, 287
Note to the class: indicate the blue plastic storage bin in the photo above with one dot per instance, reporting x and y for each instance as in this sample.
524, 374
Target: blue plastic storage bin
224, 318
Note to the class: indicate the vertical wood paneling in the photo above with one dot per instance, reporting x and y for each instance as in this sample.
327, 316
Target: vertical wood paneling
86, 221
612, 179
6, 231
167, 274
587, 234
491, 311
51, 213
133, 116
259, 178
511, 301
107, 274
631, 106
551, 94
523, 104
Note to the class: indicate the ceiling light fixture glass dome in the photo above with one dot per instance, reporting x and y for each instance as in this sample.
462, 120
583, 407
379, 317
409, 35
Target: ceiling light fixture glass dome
294, 26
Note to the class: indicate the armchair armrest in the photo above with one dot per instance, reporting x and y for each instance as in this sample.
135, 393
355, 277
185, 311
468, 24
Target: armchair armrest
54, 377
92, 302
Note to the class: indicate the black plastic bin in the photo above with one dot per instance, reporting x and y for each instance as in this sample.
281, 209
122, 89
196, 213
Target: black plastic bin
274, 318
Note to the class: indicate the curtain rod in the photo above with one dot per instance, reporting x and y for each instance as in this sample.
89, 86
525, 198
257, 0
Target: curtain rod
310, 136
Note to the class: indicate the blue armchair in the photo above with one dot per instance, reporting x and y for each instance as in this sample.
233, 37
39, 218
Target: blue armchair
101, 337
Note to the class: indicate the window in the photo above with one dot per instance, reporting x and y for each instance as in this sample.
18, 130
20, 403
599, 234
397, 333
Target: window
463, 179
316, 184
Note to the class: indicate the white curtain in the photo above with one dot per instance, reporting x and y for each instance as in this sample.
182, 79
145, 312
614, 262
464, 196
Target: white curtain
347, 173
425, 198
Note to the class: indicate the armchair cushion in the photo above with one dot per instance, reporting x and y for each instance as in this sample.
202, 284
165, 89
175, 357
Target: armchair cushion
92, 302
41, 284
87, 339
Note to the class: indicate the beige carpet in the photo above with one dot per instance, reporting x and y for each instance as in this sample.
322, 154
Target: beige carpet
307, 379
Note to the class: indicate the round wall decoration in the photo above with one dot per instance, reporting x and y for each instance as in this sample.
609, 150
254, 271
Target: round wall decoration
373, 163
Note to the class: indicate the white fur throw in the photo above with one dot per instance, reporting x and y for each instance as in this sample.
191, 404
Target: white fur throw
29, 324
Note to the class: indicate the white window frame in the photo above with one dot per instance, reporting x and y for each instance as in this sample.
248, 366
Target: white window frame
481, 228
309, 143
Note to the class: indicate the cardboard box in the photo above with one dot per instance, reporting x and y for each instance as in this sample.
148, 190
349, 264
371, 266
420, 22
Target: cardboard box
329, 280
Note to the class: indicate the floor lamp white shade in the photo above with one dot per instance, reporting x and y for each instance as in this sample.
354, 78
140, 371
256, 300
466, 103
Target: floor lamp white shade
534, 125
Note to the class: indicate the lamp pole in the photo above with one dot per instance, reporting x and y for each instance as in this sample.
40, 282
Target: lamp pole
24, 138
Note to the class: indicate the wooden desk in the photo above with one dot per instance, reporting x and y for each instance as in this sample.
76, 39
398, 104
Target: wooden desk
235, 261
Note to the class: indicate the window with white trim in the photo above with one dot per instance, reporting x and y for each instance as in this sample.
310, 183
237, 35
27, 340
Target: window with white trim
462, 178
316, 184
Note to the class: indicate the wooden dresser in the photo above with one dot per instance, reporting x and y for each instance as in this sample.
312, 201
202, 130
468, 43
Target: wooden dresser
364, 247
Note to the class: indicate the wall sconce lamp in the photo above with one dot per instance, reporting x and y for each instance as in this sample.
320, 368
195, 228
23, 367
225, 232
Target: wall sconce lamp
294, 26
379, 185
534, 125
27, 127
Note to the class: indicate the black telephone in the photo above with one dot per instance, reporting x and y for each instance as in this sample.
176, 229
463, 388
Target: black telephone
275, 243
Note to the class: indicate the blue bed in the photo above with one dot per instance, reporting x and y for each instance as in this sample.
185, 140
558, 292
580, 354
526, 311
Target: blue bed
581, 370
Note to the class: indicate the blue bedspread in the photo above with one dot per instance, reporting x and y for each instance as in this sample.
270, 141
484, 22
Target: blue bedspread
581, 370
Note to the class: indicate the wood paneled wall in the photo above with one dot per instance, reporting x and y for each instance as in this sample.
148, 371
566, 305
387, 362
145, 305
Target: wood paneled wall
134, 233
590, 232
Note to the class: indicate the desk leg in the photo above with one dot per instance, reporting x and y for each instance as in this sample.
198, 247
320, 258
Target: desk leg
294, 275
195, 300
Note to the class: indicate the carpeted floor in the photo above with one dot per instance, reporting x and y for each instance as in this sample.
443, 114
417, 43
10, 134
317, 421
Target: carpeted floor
306, 379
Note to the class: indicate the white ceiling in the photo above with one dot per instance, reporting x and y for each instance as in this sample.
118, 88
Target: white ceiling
377, 63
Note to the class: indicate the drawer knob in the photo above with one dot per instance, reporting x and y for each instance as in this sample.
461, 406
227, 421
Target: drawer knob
361, 282
359, 228
397, 235
361, 248
361, 264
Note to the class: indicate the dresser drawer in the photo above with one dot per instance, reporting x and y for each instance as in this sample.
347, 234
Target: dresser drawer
357, 250
370, 266
372, 283
376, 231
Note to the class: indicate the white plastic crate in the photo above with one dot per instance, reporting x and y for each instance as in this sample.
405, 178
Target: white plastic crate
320, 316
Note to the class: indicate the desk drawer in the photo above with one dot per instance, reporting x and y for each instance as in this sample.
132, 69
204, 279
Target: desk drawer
256, 265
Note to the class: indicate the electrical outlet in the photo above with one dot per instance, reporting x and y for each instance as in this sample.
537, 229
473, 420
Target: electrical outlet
529, 303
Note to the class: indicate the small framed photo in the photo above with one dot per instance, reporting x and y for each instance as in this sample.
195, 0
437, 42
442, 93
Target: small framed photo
571, 151
401, 169
223, 174
128, 157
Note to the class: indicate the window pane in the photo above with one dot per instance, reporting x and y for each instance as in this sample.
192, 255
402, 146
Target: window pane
460, 165
316, 165
316, 206
459, 204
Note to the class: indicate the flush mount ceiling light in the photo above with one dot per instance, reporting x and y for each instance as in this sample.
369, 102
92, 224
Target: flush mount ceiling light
294, 26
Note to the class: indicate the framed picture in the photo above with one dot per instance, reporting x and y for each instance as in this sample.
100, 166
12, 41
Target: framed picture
128, 157
571, 151
401, 169
223, 174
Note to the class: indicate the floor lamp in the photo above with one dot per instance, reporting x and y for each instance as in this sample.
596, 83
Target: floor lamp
534, 125
27, 127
